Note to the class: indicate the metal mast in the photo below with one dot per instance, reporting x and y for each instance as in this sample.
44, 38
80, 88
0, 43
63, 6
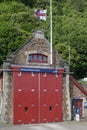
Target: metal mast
51, 32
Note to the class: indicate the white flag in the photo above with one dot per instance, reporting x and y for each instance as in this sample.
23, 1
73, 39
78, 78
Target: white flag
41, 14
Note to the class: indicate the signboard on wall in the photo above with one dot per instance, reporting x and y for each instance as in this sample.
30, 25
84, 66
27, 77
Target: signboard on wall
39, 70
85, 104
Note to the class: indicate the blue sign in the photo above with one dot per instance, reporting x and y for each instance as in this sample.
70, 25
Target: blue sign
78, 111
37, 70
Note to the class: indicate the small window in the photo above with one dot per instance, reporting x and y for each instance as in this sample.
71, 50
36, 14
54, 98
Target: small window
40, 58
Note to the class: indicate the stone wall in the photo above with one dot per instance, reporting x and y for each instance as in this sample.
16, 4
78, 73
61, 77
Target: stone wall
37, 44
1, 85
65, 105
7, 96
75, 91
36, 47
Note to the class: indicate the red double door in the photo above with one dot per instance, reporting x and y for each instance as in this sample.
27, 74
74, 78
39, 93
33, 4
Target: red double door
37, 97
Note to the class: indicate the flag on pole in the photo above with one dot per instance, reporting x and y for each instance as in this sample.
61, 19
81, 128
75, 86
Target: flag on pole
41, 14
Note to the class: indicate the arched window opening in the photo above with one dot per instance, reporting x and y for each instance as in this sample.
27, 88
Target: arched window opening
40, 58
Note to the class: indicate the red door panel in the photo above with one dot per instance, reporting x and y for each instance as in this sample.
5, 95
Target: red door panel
17, 104
50, 98
34, 98
37, 97
25, 98
43, 100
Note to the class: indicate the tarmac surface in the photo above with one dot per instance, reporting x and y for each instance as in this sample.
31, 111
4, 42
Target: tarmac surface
66, 125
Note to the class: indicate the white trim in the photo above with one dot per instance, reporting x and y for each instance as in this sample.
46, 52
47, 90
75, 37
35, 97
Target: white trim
51, 32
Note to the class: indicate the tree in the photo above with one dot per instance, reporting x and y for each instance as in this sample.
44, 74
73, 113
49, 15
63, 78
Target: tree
30, 3
17, 23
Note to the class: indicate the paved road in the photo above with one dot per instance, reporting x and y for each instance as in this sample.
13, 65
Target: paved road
70, 125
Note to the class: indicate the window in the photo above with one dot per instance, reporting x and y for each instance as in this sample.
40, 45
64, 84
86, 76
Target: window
45, 59
30, 58
40, 58
35, 57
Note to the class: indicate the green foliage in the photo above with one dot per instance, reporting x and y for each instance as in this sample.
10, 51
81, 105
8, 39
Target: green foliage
30, 3
12, 7
78, 5
17, 23
72, 57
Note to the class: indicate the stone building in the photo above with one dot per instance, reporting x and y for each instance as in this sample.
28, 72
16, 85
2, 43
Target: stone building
34, 91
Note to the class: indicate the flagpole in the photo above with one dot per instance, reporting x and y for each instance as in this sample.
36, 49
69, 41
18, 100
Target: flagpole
50, 31
69, 55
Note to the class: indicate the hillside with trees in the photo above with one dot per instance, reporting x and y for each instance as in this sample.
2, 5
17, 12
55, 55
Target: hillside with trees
17, 23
